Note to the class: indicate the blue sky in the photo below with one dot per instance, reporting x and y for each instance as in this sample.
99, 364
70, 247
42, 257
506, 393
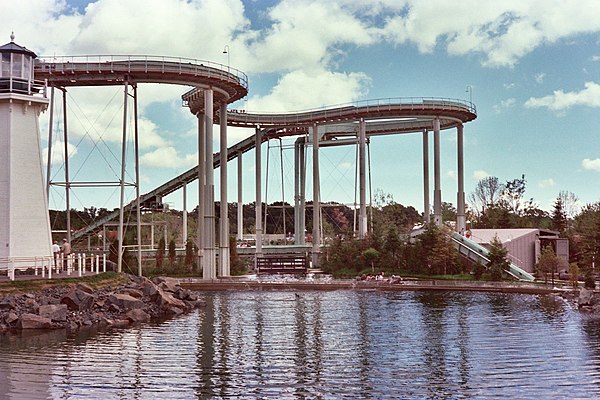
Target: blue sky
533, 66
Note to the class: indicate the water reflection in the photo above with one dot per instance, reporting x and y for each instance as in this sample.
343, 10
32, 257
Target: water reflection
306, 345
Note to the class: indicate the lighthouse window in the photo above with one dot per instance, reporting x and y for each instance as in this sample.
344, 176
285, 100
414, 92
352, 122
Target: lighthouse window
26, 67
5, 70
17, 65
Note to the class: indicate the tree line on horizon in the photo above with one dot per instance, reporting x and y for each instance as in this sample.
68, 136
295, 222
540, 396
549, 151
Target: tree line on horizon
493, 204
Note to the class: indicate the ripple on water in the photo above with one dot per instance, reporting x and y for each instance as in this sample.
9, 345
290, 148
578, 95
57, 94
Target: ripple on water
286, 344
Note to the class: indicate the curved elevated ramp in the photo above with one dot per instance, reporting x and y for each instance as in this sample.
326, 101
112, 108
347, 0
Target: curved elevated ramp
477, 253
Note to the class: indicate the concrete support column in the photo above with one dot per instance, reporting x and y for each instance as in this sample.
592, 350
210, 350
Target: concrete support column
240, 207
316, 248
426, 204
224, 265
437, 191
137, 180
258, 201
461, 221
201, 190
122, 181
302, 212
184, 234
209, 259
66, 158
297, 232
362, 185
49, 159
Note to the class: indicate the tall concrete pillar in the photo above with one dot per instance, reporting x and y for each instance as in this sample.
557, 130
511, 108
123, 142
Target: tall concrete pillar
302, 212
224, 266
297, 232
209, 267
362, 220
258, 201
184, 235
461, 221
122, 181
201, 190
426, 204
437, 191
316, 248
240, 207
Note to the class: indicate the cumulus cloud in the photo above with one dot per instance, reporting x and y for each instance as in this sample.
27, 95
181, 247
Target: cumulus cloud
593, 165
504, 104
547, 183
480, 174
58, 153
297, 90
539, 78
168, 157
560, 100
502, 31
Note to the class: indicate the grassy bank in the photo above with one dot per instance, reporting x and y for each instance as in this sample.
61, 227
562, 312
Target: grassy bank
32, 285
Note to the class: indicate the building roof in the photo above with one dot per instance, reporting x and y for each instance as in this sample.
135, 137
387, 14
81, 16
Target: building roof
504, 235
12, 47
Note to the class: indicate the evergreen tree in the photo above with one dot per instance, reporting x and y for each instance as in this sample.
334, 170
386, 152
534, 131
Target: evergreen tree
559, 217
172, 253
190, 254
547, 263
498, 262
160, 254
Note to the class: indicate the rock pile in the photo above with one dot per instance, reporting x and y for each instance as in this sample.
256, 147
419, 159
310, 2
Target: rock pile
71, 308
588, 300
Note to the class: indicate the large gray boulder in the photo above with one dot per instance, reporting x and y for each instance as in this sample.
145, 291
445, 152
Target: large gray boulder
54, 312
33, 321
125, 301
137, 316
167, 302
586, 297
78, 300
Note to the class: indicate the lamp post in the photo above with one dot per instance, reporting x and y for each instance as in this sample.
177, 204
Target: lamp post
470, 91
226, 51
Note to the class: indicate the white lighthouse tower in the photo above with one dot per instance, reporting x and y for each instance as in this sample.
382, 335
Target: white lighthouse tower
25, 236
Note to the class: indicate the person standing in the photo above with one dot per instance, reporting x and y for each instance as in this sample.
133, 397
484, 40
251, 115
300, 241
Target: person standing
56, 254
66, 250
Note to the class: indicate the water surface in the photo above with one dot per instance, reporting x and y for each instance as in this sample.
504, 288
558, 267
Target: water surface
327, 345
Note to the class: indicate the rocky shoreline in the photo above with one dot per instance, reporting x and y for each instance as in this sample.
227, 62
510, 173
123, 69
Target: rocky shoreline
72, 308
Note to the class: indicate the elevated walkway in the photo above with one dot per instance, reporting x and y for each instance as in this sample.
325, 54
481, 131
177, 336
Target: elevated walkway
477, 253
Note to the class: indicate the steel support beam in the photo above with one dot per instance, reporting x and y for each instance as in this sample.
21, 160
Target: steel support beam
362, 185
258, 201
201, 190
461, 221
316, 249
437, 191
240, 207
426, 204
224, 265
209, 259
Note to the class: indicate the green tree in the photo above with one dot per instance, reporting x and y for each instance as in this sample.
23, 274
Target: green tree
587, 230
559, 217
160, 254
172, 253
371, 255
497, 259
190, 254
548, 263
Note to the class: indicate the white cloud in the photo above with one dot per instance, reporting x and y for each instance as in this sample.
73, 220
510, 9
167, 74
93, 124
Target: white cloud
539, 77
547, 183
593, 165
509, 85
168, 157
451, 174
504, 104
502, 31
480, 174
595, 58
58, 153
560, 100
303, 89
